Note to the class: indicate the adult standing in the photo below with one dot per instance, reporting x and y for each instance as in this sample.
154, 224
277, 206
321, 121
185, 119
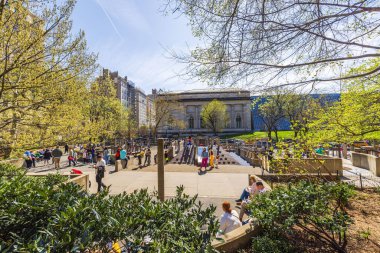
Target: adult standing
75, 157
57, 153
66, 148
148, 154
100, 168
47, 156
93, 154
84, 156
106, 155
123, 158
33, 159
140, 157
28, 159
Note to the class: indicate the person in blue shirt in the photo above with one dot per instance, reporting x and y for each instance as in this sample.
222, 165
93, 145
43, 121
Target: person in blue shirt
123, 158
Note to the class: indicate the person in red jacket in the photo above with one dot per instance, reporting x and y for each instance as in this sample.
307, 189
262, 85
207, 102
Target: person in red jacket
117, 155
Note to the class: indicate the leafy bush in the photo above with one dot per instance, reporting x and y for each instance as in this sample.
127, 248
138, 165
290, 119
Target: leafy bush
317, 208
268, 244
36, 215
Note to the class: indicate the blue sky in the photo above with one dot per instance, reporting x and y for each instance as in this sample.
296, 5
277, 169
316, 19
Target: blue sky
130, 36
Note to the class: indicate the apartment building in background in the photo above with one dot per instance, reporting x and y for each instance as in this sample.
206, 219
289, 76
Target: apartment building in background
132, 97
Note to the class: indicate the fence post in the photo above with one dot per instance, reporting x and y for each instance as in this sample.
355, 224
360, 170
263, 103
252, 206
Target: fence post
160, 170
361, 182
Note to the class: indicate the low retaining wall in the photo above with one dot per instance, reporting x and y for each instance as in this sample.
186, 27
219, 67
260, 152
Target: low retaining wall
239, 238
80, 179
322, 164
365, 161
18, 162
250, 156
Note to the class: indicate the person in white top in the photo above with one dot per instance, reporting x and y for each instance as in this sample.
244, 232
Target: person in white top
229, 220
100, 168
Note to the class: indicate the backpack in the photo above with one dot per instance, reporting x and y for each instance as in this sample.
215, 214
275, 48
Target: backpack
101, 170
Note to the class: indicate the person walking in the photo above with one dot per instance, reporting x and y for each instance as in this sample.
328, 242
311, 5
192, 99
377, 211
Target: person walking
140, 156
100, 168
47, 156
148, 154
57, 153
212, 159
106, 155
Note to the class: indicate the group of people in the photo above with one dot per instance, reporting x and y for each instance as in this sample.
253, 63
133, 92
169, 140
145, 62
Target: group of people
47, 154
208, 158
231, 219
121, 154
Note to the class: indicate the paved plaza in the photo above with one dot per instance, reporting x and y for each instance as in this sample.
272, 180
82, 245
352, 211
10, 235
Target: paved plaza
214, 187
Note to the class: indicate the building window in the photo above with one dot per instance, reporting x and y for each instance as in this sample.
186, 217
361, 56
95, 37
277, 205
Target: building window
191, 122
238, 121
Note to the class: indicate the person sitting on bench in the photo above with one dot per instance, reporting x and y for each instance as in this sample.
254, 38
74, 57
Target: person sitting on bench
249, 190
229, 220
259, 190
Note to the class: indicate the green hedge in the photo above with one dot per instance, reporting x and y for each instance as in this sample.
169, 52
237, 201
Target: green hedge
40, 215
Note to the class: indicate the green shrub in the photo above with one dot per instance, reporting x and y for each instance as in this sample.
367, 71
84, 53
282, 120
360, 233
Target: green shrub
37, 215
317, 208
267, 243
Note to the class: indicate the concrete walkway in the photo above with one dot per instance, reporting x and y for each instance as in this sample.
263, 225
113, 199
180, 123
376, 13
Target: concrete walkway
358, 176
212, 185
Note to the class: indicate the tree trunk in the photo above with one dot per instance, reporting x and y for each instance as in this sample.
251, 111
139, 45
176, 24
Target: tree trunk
276, 133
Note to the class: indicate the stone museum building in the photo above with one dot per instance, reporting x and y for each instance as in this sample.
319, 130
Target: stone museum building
190, 104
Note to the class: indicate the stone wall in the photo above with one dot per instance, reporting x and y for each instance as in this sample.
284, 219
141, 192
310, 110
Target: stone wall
365, 161
321, 164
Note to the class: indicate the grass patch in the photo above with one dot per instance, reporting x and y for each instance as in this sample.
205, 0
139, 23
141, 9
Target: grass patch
257, 135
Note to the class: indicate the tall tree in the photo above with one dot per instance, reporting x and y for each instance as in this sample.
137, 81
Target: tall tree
299, 109
356, 115
267, 42
214, 116
165, 106
41, 61
272, 112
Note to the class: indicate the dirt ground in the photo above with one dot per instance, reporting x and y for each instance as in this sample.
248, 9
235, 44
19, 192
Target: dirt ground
364, 234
